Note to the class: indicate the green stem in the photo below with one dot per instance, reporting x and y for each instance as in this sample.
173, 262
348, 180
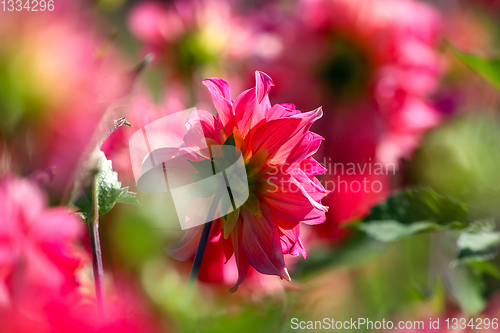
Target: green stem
95, 243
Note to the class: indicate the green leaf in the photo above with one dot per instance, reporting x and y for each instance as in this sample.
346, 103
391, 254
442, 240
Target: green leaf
489, 69
230, 141
482, 268
479, 242
205, 169
388, 231
412, 211
468, 290
127, 197
109, 190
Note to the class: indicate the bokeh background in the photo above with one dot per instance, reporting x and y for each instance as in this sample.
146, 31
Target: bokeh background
397, 87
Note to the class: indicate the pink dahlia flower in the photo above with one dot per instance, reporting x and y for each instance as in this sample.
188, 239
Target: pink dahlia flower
36, 255
126, 313
277, 148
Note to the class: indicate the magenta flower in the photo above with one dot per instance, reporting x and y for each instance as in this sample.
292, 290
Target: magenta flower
36, 257
277, 148
189, 35
127, 313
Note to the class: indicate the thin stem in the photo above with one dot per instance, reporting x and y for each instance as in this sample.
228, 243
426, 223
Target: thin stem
200, 251
95, 243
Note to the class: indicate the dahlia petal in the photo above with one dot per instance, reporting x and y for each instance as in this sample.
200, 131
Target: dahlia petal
261, 243
274, 135
280, 136
289, 235
316, 191
290, 230
185, 248
290, 107
215, 232
227, 246
312, 167
286, 245
280, 111
265, 105
221, 96
239, 141
316, 142
230, 222
247, 111
289, 201
211, 125
263, 84
202, 126
311, 185
241, 261
303, 150
299, 248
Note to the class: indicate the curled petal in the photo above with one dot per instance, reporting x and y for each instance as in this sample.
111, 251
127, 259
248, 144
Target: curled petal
311, 185
306, 148
261, 243
298, 248
215, 232
263, 84
247, 111
221, 96
280, 111
227, 246
312, 168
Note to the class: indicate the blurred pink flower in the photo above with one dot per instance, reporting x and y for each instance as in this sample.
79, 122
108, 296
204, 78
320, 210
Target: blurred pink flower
61, 79
37, 257
189, 35
277, 148
39, 262
349, 55
374, 67
125, 314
